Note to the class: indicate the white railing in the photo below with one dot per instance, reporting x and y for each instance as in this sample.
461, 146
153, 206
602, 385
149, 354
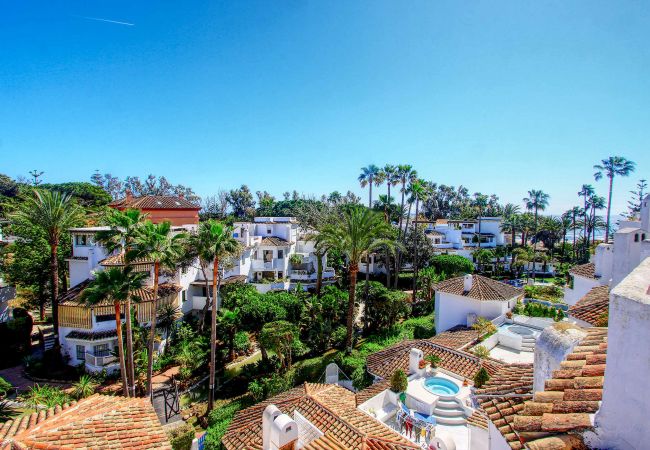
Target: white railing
99, 361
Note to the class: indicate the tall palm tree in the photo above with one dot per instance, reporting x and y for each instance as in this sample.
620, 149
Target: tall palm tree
53, 213
536, 201
480, 202
406, 175
123, 227
115, 285
213, 242
574, 213
419, 191
611, 167
158, 243
370, 175
586, 191
359, 232
596, 202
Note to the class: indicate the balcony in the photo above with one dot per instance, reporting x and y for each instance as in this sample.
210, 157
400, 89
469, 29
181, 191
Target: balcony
99, 361
260, 264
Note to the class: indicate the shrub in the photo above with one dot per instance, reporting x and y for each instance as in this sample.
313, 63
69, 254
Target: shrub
481, 377
218, 422
85, 387
5, 386
269, 386
398, 381
602, 320
181, 437
452, 265
338, 336
242, 342
434, 360
481, 351
46, 395
484, 327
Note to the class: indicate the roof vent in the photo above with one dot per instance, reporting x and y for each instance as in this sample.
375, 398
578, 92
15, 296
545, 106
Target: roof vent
467, 283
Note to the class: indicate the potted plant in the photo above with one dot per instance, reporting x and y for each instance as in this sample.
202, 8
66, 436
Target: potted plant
422, 364
433, 361
509, 315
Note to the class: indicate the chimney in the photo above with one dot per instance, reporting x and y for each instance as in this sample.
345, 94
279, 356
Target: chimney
129, 195
622, 421
414, 359
467, 283
279, 431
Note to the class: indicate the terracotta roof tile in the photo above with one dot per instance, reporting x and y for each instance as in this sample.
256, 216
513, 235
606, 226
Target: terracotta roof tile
154, 202
73, 296
98, 422
483, 288
478, 419
593, 306
384, 363
274, 241
330, 408
118, 261
570, 397
584, 270
458, 337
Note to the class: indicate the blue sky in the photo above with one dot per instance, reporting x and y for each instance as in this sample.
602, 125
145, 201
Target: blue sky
498, 96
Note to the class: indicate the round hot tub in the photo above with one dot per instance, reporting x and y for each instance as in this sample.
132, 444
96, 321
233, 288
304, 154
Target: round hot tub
441, 386
522, 331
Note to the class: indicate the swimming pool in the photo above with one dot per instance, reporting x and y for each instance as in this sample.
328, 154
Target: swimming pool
441, 386
519, 330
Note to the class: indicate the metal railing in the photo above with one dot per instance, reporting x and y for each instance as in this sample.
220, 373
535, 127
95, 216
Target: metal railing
99, 361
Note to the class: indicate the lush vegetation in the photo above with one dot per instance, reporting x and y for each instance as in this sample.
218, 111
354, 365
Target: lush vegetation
398, 381
538, 310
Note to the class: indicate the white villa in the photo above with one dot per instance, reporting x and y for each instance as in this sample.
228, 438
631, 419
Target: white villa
88, 334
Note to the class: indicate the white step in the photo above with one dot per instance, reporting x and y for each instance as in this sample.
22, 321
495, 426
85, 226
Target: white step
528, 344
451, 420
447, 404
448, 412
527, 349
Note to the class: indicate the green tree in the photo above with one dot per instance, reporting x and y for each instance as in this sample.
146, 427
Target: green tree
164, 248
398, 381
452, 265
53, 213
634, 205
359, 232
536, 201
241, 201
213, 242
406, 175
281, 338
481, 377
419, 191
586, 192
114, 285
610, 168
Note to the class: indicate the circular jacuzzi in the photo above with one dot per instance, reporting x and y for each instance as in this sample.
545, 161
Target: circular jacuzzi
522, 331
441, 386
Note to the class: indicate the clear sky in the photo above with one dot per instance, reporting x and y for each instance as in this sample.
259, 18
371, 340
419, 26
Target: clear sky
498, 96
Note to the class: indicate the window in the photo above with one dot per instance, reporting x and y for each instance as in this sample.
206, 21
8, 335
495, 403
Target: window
184, 295
636, 237
643, 237
81, 240
269, 230
81, 352
280, 254
107, 317
101, 350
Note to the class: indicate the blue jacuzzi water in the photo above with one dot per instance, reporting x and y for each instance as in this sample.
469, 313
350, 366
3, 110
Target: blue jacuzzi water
441, 386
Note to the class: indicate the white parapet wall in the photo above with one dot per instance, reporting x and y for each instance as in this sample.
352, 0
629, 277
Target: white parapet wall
622, 422
551, 348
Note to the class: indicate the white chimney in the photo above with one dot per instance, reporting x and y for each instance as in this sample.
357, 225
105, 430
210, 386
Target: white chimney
467, 282
622, 421
645, 213
551, 348
279, 430
414, 359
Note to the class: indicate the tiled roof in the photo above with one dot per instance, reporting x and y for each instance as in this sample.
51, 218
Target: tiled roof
478, 419
275, 241
593, 306
73, 296
91, 335
118, 261
384, 363
97, 422
483, 288
570, 398
584, 270
374, 389
330, 408
154, 202
504, 395
457, 337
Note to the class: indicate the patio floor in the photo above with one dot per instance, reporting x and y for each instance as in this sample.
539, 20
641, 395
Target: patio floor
510, 356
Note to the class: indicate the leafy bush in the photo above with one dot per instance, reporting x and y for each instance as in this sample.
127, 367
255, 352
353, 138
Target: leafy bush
219, 419
451, 265
269, 386
46, 395
383, 307
5, 386
481, 377
242, 342
549, 293
85, 387
181, 437
484, 327
338, 336
481, 351
398, 381
434, 360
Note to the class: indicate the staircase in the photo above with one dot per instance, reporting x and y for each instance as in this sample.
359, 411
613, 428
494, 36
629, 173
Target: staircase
449, 412
527, 344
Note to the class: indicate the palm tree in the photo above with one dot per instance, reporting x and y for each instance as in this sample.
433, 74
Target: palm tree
405, 174
595, 203
480, 201
368, 178
419, 192
157, 242
213, 242
536, 201
610, 167
123, 227
53, 213
586, 191
114, 285
574, 213
358, 233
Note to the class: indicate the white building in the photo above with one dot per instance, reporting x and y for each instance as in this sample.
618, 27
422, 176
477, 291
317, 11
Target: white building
613, 261
461, 300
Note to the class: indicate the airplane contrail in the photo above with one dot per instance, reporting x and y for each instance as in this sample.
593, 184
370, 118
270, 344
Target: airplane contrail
98, 19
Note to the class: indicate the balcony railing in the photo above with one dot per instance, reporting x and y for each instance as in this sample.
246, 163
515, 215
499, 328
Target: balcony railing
99, 361
275, 264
